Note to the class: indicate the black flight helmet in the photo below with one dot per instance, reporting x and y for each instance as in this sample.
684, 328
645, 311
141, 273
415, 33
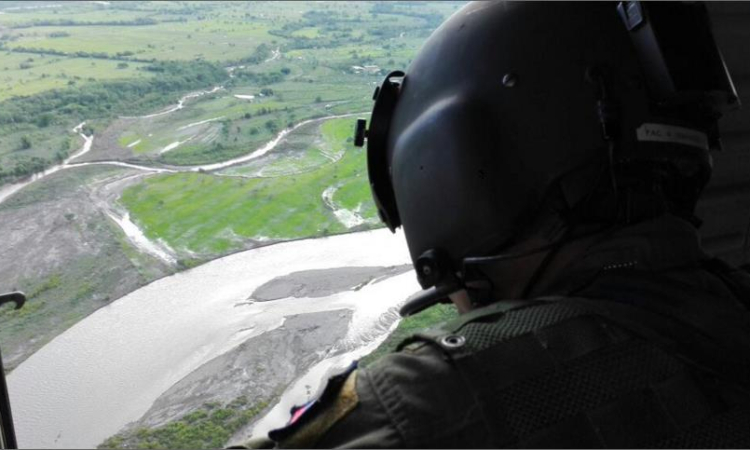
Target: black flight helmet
507, 101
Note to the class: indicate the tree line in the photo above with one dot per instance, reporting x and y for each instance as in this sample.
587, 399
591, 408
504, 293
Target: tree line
119, 56
110, 98
140, 21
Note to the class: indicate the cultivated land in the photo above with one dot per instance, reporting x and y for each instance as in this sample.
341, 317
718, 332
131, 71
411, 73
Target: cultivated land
175, 91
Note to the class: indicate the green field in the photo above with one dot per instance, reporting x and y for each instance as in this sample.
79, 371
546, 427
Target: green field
316, 46
35, 131
226, 32
235, 126
165, 41
301, 151
28, 73
210, 214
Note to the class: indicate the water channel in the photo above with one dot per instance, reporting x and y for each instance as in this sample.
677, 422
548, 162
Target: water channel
108, 369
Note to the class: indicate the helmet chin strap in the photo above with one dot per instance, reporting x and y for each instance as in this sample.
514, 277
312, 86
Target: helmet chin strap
440, 293
482, 286
481, 294
452, 284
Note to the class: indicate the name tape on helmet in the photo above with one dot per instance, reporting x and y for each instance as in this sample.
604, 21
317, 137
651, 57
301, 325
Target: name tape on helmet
657, 132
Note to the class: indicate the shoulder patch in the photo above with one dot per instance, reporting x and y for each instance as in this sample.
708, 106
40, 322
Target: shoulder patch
311, 421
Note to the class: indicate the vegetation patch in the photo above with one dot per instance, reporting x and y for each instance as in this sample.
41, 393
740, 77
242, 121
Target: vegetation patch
210, 214
31, 127
408, 326
221, 126
209, 427
25, 74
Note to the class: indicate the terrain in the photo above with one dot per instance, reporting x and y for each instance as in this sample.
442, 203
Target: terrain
141, 139
155, 338
198, 86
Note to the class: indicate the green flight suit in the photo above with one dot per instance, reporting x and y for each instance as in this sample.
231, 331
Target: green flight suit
645, 342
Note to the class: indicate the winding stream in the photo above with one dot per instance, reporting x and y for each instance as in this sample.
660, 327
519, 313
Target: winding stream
347, 217
107, 370
10, 189
180, 104
131, 230
266, 148
159, 250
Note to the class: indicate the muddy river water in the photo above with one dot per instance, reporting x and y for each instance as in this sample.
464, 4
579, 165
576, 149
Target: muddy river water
108, 369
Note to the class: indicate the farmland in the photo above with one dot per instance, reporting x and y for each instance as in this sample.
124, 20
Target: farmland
306, 53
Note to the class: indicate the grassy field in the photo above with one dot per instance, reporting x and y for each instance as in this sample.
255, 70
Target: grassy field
24, 73
28, 73
315, 45
221, 32
210, 214
163, 41
221, 126
42, 142
23, 13
300, 151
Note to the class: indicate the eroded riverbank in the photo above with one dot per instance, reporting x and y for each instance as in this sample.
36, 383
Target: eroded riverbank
110, 368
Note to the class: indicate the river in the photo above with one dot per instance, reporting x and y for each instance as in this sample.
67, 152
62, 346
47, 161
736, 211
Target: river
108, 369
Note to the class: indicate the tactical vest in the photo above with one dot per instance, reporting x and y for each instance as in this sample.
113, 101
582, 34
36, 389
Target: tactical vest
632, 361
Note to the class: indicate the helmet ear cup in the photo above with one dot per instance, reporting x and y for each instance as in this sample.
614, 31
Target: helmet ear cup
378, 167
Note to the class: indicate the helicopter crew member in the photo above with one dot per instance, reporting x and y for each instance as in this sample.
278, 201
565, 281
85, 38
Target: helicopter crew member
544, 161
